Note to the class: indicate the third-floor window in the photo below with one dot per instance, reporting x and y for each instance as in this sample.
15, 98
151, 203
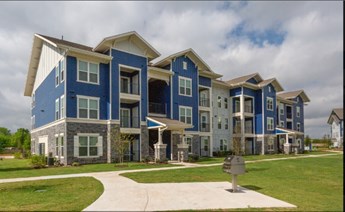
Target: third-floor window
88, 72
269, 103
185, 86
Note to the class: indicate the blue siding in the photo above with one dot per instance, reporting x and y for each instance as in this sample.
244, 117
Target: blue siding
235, 92
258, 112
301, 118
204, 81
178, 100
136, 61
45, 96
75, 88
252, 80
269, 113
249, 92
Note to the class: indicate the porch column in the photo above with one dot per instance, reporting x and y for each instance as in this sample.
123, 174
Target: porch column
160, 148
182, 149
287, 145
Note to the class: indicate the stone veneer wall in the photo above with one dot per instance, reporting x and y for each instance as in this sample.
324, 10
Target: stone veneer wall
50, 132
144, 142
176, 140
73, 129
196, 144
113, 130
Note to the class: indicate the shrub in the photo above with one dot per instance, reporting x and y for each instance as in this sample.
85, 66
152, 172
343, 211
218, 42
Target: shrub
18, 155
147, 159
38, 161
75, 164
193, 158
57, 162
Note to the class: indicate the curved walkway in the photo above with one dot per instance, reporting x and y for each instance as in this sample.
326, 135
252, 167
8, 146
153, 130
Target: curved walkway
123, 194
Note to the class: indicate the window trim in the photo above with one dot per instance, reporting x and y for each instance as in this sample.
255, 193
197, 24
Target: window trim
282, 125
281, 109
270, 129
57, 109
184, 65
219, 101
191, 114
88, 72
128, 84
88, 105
219, 123
62, 107
57, 75
298, 126
88, 135
226, 124
190, 145
62, 70
298, 111
267, 99
270, 147
185, 90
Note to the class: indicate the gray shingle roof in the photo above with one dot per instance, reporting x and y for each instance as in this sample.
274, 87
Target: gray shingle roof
67, 43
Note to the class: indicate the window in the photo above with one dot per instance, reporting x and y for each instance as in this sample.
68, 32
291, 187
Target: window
41, 148
298, 111
125, 118
269, 89
269, 103
219, 122
33, 103
205, 144
219, 101
62, 146
188, 140
57, 146
281, 108
225, 103
62, 70
88, 107
88, 72
33, 122
62, 106
298, 126
226, 123
223, 145
270, 143
57, 72
186, 115
281, 123
184, 65
270, 123
125, 85
88, 146
57, 116
185, 86
237, 106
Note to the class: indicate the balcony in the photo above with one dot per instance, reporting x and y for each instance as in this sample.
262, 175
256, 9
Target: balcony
248, 109
289, 115
205, 127
248, 130
158, 108
129, 122
129, 88
204, 102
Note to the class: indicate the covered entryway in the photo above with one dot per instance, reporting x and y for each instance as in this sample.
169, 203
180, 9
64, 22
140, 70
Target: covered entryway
160, 137
293, 140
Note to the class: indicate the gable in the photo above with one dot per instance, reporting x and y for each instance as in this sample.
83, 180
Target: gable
252, 80
130, 46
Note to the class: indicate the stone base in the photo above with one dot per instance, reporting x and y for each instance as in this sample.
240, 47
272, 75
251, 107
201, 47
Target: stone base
287, 148
160, 151
182, 155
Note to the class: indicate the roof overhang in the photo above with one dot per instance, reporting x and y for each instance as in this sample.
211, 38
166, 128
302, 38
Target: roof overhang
169, 124
287, 131
159, 74
80, 52
134, 37
287, 101
220, 83
211, 75
332, 118
274, 83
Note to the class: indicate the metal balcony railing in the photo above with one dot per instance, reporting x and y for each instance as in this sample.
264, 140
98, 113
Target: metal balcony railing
204, 102
129, 122
129, 88
159, 108
205, 127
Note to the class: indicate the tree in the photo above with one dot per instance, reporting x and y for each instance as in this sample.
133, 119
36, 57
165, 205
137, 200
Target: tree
236, 141
22, 139
307, 140
5, 137
122, 143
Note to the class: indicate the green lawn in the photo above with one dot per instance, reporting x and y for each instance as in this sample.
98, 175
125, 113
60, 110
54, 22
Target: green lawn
72, 194
312, 184
208, 160
14, 168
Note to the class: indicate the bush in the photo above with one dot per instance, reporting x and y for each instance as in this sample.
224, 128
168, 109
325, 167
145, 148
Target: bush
57, 162
193, 158
38, 161
147, 159
222, 153
18, 155
75, 164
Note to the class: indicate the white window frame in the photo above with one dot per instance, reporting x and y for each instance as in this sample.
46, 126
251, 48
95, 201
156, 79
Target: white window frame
191, 114
129, 115
57, 75
219, 101
188, 141
267, 103
282, 124
270, 144
62, 145
269, 89
184, 65
298, 126
223, 145
88, 72
62, 106
281, 109
128, 84
185, 79
298, 111
88, 106
57, 109
57, 148
62, 70
88, 144
269, 120
226, 125
225, 103
219, 122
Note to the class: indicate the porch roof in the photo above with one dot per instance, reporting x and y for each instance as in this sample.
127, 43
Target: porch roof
171, 124
288, 131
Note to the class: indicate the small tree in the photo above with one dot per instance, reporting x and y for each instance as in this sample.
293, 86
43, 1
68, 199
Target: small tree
307, 140
22, 139
236, 141
121, 144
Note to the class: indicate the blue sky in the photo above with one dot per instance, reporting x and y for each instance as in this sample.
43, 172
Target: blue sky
299, 42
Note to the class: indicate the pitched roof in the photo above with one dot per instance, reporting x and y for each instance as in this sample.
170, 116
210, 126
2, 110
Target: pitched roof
272, 81
337, 115
294, 94
66, 43
245, 78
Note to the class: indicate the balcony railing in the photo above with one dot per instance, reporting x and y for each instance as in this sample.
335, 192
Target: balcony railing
237, 109
159, 108
248, 129
204, 102
248, 109
289, 115
129, 122
204, 127
130, 88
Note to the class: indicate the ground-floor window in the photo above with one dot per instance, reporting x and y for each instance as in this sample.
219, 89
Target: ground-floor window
59, 145
41, 148
88, 145
188, 141
270, 143
223, 145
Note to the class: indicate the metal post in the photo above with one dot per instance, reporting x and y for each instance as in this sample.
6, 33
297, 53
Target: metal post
234, 183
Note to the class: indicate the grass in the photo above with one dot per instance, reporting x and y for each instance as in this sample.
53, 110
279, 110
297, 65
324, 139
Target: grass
312, 184
209, 160
15, 168
72, 194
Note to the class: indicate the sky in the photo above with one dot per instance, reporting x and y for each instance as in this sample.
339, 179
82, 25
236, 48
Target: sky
300, 43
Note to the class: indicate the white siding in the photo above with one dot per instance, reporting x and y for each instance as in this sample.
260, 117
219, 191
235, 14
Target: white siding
49, 58
220, 112
336, 134
129, 46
